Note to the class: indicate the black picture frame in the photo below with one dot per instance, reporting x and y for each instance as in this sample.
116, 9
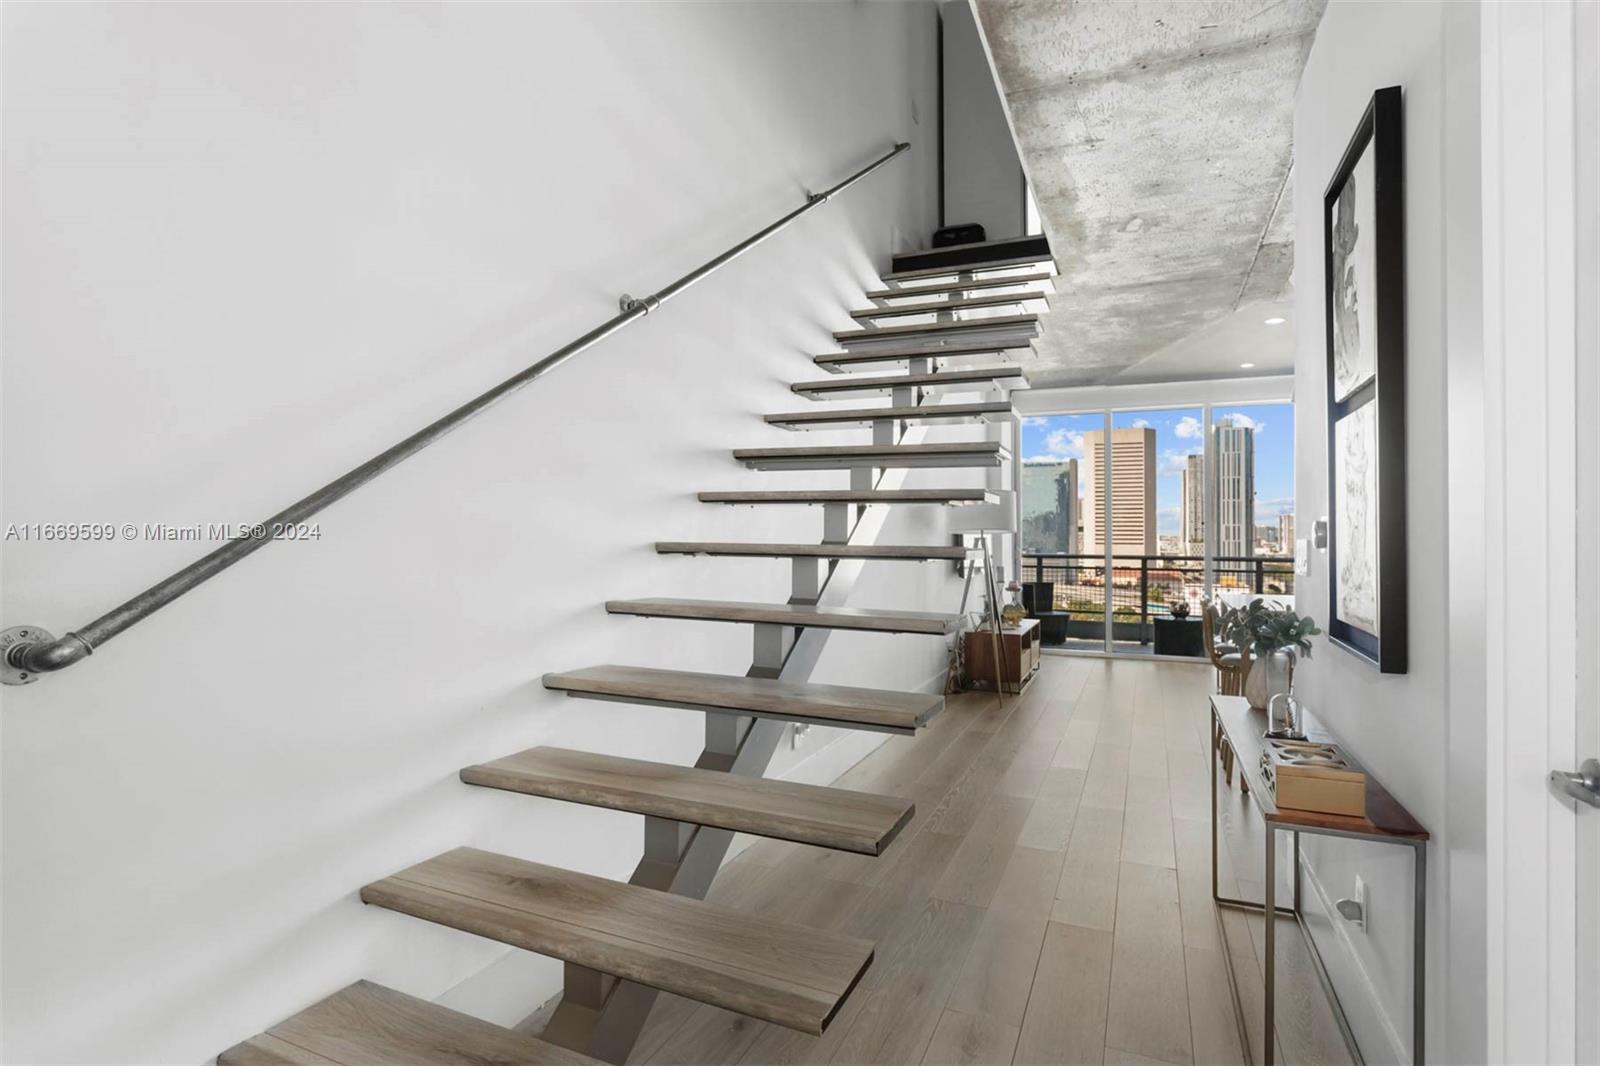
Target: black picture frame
1370, 402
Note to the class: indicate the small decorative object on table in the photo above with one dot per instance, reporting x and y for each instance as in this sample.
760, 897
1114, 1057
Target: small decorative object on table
1013, 613
1180, 609
1270, 635
1283, 716
1314, 776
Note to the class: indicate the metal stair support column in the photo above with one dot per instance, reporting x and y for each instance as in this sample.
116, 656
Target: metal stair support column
603, 1018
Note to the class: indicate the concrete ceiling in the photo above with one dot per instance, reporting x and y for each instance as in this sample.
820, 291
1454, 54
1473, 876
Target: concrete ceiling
1157, 137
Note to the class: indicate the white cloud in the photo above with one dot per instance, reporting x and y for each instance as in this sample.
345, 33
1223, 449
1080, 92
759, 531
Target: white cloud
1243, 421
1035, 420
1065, 443
1189, 428
1141, 423
1173, 462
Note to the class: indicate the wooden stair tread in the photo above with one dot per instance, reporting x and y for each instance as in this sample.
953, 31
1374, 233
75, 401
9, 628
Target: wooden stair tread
1037, 277
952, 304
985, 411
789, 614
1030, 246
966, 453
945, 497
975, 377
1006, 351
1032, 250
369, 1025
950, 270
808, 814
838, 705
963, 325
913, 552
786, 974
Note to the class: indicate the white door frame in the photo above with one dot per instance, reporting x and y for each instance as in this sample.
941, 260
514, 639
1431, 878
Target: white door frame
1531, 300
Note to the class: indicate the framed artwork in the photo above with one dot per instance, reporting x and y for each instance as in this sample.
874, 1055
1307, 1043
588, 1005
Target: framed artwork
1364, 312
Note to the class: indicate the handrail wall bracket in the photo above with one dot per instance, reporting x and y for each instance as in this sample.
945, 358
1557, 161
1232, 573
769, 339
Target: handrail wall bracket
28, 651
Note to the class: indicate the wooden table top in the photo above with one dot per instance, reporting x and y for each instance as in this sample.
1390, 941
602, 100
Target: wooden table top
1244, 726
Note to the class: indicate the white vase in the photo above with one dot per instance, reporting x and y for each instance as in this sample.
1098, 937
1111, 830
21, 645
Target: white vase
1269, 675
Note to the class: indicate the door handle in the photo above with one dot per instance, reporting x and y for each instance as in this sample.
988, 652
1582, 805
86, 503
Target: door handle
1583, 785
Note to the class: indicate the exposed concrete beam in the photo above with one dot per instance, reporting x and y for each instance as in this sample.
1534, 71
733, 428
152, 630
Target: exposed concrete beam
1157, 137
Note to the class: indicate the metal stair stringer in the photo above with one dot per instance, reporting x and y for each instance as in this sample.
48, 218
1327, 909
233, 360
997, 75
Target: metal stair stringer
602, 1016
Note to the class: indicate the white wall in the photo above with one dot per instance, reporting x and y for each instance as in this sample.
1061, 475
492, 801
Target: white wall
1422, 732
246, 247
982, 170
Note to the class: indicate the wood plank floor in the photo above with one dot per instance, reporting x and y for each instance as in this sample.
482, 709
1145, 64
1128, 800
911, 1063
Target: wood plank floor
1049, 903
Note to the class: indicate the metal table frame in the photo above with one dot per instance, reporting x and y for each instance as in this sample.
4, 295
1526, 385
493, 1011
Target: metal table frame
1270, 906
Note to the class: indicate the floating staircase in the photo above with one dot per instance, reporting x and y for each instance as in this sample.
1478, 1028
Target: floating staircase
786, 974
953, 303
933, 356
825, 497
874, 456
1042, 281
807, 814
835, 705
370, 1025
624, 942
999, 325
932, 414
926, 382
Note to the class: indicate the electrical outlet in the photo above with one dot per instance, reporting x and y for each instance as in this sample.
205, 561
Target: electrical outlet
1353, 908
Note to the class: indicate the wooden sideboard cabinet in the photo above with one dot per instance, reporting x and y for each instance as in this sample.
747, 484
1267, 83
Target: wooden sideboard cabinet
1019, 655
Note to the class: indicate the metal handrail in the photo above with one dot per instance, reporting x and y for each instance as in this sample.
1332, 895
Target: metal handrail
29, 651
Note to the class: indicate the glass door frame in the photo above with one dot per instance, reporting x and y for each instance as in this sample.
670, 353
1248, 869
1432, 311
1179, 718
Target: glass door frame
1210, 502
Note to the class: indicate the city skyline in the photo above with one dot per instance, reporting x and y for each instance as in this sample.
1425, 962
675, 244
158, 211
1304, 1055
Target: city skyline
1179, 434
1235, 456
1133, 490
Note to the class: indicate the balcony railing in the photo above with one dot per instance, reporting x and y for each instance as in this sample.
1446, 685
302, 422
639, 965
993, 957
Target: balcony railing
1143, 588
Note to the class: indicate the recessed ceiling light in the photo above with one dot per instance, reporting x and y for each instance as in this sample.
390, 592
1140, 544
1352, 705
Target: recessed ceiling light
1275, 321
1246, 366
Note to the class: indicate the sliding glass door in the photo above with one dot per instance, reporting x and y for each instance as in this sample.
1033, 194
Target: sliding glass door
1131, 518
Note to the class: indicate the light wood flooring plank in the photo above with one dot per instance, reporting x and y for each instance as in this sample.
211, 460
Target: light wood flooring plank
997, 975
962, 1039
1049, 824
1149, 1008
1087, 892
1065, 1020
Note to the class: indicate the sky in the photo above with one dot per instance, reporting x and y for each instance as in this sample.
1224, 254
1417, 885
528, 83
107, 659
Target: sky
1053, 438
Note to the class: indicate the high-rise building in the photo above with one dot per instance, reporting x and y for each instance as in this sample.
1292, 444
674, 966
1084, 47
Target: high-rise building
1050, 507
1286, 533
1133, 491
1192, 530
1236, 489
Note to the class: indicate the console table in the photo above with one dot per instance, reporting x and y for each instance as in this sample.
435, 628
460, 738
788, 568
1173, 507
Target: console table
1385, 822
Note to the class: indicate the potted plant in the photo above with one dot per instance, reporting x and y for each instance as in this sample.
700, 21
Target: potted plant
1270, 635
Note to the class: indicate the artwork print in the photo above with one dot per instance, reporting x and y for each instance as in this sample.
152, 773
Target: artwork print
1355, 487
1354, 282
1364, 263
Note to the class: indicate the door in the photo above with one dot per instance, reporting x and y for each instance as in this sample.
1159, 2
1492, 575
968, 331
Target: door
1587, 819
1540, 124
